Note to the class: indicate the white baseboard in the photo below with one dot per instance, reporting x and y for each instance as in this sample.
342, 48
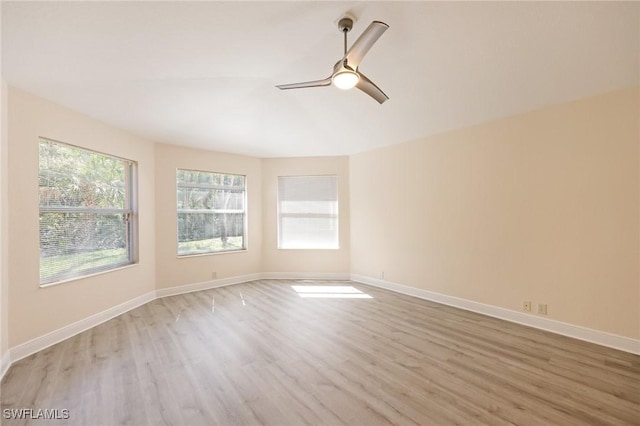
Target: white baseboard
582, 333
5, 363
206, 285
39, 343
319, 276
223, 282
599, 337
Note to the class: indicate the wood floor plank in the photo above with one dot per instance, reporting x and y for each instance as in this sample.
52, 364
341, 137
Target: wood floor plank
259, 353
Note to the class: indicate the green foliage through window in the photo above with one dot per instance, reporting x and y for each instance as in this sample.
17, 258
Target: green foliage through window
211, 212
86, 215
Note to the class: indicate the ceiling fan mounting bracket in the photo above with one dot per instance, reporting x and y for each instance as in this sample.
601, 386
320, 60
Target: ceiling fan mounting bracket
345, 24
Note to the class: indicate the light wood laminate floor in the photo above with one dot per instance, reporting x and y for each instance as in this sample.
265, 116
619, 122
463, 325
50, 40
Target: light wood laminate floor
259, 353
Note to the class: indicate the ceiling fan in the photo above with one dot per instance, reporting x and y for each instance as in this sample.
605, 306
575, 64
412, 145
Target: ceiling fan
345, 72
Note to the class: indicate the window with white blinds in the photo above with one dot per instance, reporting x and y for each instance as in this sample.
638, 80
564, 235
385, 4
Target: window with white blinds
308, 212
87, 219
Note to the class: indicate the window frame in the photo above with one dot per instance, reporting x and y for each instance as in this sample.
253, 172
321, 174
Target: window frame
245, 212
129, 210
280, 215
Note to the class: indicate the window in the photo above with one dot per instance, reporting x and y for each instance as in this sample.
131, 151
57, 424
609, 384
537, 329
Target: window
308, 212
87, 220
211, 212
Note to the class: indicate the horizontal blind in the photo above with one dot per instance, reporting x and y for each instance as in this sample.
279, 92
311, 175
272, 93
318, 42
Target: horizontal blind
76, 244
308, 212
211, 212
85, 211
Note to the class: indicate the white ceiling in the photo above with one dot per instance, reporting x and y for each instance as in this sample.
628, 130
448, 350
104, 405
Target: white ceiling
202, 74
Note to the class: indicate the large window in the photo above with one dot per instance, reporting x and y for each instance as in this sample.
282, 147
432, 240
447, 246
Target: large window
308, 212
87, 217
211, 212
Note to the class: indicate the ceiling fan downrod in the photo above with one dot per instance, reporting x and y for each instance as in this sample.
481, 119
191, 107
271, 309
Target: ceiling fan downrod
345, 25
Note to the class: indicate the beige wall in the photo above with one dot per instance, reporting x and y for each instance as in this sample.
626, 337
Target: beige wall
35, 311
3, 182
541, 207
173, 271
4, 223
324, 261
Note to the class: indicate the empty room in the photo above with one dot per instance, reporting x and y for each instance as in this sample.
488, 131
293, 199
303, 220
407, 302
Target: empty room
319, 212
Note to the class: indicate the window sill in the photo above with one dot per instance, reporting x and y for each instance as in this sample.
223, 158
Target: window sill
185, 256
315, 248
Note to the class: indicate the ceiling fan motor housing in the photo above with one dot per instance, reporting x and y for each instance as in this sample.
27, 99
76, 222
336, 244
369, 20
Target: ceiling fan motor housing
345, 24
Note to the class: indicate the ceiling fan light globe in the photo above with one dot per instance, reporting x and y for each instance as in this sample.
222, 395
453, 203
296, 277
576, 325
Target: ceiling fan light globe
345, 80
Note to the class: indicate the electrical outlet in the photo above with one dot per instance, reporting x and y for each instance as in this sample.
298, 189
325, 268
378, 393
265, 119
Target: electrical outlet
214, 275
542, 308
526, 306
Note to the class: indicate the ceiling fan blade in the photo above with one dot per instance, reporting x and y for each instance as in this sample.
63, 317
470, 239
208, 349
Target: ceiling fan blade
368, 87
316, 83
366, 40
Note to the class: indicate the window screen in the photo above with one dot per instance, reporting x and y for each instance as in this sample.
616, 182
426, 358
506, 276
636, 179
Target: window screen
86, 211
211, 212
308, 212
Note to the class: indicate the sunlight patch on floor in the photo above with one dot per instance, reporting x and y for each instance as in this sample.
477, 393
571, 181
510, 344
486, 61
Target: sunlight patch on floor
330, 292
